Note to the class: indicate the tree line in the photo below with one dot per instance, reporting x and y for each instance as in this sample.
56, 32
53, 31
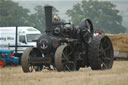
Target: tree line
103, 14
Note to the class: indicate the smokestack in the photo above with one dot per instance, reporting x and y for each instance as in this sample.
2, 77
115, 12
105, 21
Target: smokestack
48, 18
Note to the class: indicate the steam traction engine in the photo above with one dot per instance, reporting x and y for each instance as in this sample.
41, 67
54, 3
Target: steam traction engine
67, 48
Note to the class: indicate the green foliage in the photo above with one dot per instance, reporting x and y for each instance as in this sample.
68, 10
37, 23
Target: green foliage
37, 19
103, 14
11, 14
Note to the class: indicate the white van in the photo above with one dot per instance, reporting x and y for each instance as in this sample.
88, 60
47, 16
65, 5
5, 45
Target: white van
26, 37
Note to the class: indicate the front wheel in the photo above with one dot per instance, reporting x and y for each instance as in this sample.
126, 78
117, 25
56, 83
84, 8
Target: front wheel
25, 60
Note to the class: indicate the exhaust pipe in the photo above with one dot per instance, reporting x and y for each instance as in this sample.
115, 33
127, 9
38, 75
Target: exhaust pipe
48, 19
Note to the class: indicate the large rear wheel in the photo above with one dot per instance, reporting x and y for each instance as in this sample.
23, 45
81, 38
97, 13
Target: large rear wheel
100, 53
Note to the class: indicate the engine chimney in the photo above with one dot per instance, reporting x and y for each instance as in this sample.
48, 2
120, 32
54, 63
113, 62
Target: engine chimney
48, 18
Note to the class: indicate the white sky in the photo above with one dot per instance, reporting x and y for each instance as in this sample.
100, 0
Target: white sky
46, 0
67, 0
63, 5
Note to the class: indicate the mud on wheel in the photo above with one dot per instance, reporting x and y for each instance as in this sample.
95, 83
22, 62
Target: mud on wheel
64, 60
100, 53
26, 60
26, 66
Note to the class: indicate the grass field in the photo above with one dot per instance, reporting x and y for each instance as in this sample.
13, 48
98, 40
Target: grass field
118, 75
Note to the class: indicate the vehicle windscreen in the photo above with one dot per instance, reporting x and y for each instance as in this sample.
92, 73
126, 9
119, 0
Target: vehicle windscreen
32, 37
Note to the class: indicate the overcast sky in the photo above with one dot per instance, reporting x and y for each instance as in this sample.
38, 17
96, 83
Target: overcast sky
63, 5
65, 0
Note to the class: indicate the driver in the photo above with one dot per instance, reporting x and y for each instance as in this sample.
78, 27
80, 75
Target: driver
57, 24
56, 18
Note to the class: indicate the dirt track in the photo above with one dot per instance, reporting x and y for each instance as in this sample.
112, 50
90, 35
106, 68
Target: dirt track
118, 75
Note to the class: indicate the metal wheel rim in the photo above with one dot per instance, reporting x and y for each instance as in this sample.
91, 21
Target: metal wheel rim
26, 66
105, 55
63, 60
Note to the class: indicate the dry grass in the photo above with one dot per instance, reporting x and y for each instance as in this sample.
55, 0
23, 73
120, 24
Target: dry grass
118, 75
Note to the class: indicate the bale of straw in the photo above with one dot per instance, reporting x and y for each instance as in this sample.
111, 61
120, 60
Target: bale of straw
119, 41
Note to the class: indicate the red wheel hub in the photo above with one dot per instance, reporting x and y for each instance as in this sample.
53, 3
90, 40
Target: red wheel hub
1, 63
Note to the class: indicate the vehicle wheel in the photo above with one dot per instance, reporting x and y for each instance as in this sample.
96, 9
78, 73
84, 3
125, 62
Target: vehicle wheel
25, 60
100, 53
2, 63
64, 60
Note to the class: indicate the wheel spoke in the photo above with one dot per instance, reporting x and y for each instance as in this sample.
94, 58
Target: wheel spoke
65, 58
107, 48
106, 58
88, 25
103, 42
67, 68
104, 65
67, 65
